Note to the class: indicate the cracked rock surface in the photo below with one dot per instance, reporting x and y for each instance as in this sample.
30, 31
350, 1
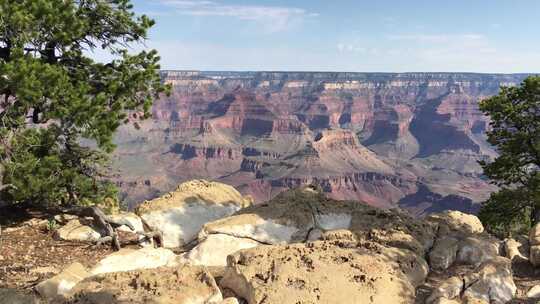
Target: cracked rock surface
323, 272
182, 285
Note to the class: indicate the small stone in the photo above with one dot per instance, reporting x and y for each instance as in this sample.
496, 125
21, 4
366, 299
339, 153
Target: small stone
64, 218
35, 222
11, 229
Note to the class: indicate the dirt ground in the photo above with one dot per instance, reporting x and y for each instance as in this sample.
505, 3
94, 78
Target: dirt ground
30, 254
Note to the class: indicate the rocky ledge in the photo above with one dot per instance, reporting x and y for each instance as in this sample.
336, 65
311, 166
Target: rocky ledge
300, 247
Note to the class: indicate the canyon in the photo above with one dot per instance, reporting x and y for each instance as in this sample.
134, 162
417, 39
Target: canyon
409, 140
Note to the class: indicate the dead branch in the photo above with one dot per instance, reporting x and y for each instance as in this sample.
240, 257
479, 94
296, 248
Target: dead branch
107, 225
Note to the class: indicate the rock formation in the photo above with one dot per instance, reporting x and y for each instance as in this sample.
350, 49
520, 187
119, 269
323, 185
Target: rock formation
411, 140
183, 285
180, 214
303, 247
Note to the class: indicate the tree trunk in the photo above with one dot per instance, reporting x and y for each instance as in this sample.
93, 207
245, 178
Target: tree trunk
107, 224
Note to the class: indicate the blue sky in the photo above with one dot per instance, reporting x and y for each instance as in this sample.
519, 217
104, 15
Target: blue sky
346, 35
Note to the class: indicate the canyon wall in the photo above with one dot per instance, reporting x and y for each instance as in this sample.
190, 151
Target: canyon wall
410, 140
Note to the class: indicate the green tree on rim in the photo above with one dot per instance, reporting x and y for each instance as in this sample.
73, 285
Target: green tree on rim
54, 97
515, 132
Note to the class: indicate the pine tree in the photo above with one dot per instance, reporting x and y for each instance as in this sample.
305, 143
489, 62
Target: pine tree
59, 108
515, 132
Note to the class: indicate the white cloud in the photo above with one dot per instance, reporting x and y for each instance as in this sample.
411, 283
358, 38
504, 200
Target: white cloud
469, 52
272, 18
427, 52
456, 53
438, 38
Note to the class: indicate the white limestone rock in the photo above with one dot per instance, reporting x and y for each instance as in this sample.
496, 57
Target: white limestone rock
213, 250
534, 292
76, 230
255, 227
516, 250
475, 250
456, 221
491, 282
131, 218
61, 284
131, 259
179, 215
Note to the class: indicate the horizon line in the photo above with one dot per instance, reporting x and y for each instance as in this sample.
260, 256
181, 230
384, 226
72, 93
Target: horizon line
356, 72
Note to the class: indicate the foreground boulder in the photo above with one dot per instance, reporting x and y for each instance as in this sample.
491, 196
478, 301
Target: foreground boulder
213, 251
179, 215
132, 259
324, 272
61, 284
444, 253
460, 239
184, 285
474, 250
274, 223
452, 221
304, 215
491, 282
